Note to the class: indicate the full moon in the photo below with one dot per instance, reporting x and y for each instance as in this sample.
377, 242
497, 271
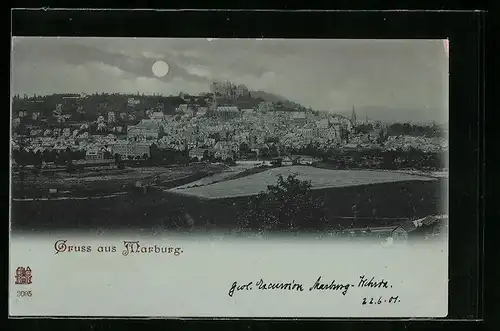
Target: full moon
160, 68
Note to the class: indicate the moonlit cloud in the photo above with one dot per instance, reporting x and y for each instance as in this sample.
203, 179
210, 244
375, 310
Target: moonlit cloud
405, 79
200, 71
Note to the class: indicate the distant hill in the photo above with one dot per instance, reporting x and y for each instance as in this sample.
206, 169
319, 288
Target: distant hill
270, 97
397, 115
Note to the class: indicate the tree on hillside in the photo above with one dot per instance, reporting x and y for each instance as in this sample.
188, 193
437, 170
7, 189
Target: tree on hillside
388, 159
206, 156
264, 151
407, 128
272, 140
344, 134
215, 136
70, 166
364, 128
273, 150
382, 137
229, 161
287, 206
244, 148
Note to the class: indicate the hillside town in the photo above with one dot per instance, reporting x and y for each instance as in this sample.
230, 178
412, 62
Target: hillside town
77, 146
226, 124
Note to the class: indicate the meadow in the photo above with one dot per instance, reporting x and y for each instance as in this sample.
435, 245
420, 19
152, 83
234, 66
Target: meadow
104, 181
319, 178
158, 210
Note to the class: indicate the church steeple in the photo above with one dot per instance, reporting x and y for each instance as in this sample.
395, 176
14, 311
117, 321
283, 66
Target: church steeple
353, 116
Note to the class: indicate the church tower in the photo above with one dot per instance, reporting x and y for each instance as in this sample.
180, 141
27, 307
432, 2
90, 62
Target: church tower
353, 116
353, 119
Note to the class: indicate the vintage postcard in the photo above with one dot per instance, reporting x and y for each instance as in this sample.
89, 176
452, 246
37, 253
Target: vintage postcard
200, 178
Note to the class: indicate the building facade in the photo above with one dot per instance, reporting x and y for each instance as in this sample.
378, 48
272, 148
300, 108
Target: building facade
227, 112
265, 106
94, 154
146, 129
128, 148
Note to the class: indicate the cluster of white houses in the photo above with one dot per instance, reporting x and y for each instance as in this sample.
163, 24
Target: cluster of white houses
124, 148
146, 129
231, 124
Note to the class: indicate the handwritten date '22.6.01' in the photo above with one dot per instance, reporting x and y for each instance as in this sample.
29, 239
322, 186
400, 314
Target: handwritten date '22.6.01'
380, 300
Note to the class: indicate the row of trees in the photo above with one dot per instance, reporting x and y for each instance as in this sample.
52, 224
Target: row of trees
171, 156
375, 158
99, 104
401, 129
24, 158
66, 157
407, 129
378, 159
367, 158
93, 104
270, 150
288, 206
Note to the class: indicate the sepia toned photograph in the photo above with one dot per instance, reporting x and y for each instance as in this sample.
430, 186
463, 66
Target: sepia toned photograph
238, 163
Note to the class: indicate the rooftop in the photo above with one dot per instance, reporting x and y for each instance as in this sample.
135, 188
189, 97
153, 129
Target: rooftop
145, 124
299, 115
227, 108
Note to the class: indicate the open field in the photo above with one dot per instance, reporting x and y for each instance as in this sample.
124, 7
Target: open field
381, 198
165, 210
209, 180
377, 205
103, 182
233, 172
320, 179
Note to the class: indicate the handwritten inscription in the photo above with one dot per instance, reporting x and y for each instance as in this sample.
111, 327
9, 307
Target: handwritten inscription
332, 286
365, 282
319, 285
380, 300
261, 285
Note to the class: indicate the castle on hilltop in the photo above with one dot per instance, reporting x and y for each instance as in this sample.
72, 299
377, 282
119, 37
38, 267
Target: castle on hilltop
227, 90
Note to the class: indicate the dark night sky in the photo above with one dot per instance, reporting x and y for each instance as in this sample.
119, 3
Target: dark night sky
399, 80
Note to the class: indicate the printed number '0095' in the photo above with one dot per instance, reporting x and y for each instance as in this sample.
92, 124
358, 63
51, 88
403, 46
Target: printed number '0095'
23, 294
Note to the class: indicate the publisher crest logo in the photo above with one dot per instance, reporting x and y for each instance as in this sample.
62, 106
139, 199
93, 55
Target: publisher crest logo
23, 276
